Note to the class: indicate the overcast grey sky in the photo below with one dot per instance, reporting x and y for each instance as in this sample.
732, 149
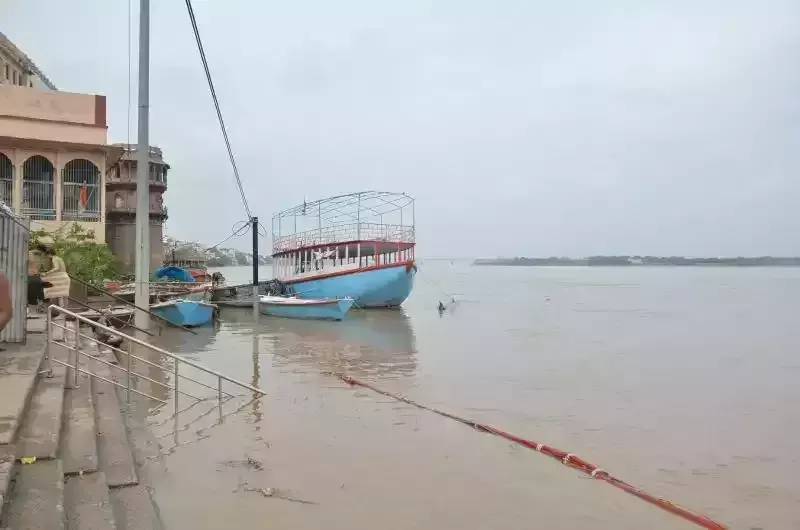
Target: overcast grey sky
522, 127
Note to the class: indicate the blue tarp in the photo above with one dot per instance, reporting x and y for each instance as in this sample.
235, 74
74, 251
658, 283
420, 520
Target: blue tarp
173, 273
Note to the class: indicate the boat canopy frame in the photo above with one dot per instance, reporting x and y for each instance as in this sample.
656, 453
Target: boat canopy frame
380, 216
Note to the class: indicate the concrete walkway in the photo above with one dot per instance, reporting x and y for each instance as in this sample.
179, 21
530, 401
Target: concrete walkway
66, 454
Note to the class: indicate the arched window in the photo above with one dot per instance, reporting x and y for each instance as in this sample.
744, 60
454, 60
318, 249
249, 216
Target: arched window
6, 180
38, 192
119, 202
80, 187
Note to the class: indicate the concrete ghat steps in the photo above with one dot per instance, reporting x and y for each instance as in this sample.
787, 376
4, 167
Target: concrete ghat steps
88, 504
114, 450
18, 368
37, 495
7, 458
40, 433
134, 506
79, 440
133, 509
84, 474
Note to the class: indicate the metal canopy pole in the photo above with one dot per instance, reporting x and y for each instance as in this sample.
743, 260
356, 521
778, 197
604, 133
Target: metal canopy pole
358, 222
142, 166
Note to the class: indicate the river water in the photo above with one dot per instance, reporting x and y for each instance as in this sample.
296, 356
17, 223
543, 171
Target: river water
681, 381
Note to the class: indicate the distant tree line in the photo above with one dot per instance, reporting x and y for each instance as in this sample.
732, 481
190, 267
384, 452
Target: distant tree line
633, 261
233, 258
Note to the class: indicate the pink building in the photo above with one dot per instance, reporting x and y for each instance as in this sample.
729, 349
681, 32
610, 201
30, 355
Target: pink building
53, 157
57, 169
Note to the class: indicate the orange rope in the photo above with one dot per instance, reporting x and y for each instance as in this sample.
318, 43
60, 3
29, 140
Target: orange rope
567, 459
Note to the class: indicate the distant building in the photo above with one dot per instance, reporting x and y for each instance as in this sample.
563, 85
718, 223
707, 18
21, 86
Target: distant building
121, 206
53, 148
187, 257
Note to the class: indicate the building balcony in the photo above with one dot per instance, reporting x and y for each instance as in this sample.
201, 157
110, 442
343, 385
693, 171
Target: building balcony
130, 211
128, 184
130, 152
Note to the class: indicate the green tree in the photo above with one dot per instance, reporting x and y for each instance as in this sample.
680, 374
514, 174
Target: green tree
84, 257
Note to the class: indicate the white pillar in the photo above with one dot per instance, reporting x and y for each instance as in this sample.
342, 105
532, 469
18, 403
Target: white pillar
58, 196
16, 182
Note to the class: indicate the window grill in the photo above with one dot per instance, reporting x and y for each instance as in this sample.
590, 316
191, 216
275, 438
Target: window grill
6, 180
81, 191
38, 189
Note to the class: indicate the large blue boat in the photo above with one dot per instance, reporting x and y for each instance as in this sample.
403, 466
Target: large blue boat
358, 246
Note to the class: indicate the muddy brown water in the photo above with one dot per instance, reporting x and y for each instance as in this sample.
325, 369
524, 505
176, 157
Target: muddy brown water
680, 381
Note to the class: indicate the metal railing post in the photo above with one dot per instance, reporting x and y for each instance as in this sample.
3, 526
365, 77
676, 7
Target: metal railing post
175, 386
71, 361
128, 385
219, 391
48, 350
77, 352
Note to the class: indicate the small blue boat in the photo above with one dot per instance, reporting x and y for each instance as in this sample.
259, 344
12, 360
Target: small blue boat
327, 309
189, 313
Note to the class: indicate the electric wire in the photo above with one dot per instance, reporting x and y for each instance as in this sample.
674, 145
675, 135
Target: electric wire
235, 232
200, 48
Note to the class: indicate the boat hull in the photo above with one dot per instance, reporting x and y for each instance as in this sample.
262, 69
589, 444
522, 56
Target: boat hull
316, 310
384, 286
186, 313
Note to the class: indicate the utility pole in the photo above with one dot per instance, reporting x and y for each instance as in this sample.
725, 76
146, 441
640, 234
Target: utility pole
254, 220
142, 166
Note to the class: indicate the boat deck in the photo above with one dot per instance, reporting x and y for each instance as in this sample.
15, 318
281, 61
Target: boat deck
368, 247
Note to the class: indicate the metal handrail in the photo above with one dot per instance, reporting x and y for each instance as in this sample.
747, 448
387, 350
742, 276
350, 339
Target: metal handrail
54, 309
110, 365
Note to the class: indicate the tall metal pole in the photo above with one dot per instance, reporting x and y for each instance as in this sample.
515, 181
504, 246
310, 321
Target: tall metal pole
255, 267
142, 166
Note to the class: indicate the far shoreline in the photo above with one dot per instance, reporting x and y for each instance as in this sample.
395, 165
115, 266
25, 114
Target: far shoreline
641, 261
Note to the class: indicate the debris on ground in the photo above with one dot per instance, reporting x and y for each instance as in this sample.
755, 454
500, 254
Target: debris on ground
249, 462
274, 493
